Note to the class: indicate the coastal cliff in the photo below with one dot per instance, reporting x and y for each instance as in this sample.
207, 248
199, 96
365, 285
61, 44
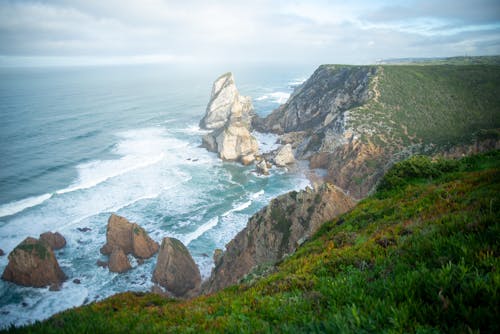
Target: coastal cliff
276, 231
357, 121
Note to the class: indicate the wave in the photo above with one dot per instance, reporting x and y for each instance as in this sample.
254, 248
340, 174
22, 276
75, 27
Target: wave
296, 82
21, 205
200, 230
257, 194
238, 207
93, 173
276, 97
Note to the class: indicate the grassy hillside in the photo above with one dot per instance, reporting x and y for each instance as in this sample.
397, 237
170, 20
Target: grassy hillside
433, 104
460, 60
419, 256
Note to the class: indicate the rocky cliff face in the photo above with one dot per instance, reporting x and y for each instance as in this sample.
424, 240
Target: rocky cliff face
277, 230
357, 121
229, 115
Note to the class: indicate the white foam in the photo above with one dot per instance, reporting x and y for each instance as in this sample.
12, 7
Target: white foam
200, 231
238, 207
276, 97
193, 129
258, 194
267, 141
296, 82
21, 205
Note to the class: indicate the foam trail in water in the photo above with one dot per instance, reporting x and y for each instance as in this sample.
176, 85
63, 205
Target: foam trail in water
238, 207
276, 97
257, 194
21, 205
200, 230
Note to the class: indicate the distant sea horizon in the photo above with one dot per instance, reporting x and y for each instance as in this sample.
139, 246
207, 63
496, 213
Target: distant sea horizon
80, 143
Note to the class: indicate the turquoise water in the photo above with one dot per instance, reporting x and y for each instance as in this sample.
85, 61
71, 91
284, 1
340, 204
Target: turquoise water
80, 143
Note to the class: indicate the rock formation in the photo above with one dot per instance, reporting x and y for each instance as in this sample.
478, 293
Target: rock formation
176, 270
229, 115
123, 238
284, 156
130, 237
118, 261
262, 167
33, 263
2, 252
276, 231
54, 240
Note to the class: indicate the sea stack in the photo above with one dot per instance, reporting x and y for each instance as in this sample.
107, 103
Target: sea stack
229, 116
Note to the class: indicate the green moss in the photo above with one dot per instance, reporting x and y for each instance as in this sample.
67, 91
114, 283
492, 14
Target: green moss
41, 250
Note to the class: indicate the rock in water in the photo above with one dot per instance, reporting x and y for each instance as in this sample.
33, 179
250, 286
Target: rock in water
235, 142
131, 238
143, 247
284, 156
229, 115
276, 231
54, 240
33, 263
1, 252
262, 167
118, 261
224, 93
176, 270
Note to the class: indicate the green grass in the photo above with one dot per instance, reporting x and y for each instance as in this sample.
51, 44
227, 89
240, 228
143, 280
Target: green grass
432, 104
419, 256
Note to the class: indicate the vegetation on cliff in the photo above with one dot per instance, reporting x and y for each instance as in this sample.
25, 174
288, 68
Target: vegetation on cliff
421, 255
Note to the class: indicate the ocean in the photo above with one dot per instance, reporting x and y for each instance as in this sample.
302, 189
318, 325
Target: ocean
80, 143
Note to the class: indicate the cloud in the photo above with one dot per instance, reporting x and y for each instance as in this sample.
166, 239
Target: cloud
242, 31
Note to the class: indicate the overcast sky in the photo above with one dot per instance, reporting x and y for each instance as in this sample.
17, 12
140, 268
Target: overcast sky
347, 31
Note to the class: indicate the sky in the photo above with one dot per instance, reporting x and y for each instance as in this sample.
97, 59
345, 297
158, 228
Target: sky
79, 32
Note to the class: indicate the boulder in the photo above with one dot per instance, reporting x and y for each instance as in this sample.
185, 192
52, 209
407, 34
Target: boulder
130, 237
118, 261
235, 141
2, 252
284, 156
33, 263
176, 270
54, 240
143, 247
262, 167
247, 159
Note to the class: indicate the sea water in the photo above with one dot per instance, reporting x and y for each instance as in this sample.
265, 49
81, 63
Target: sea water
78, 144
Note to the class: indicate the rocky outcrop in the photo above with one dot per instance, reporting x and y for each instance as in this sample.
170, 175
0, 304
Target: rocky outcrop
118, 261
54, 240
262, 167
277, 230
129, 237
284, 156
229, 116
33, 263
176, 270
2, 252
321, 100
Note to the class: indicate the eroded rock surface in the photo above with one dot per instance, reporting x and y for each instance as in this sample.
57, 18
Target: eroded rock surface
276, 231
176, 270
54, 240
229, 116
33, 263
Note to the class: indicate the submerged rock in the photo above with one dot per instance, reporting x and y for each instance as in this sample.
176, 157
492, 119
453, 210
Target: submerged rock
176, 270
33, 263
276, 231
229, 115
2, 252
54, 240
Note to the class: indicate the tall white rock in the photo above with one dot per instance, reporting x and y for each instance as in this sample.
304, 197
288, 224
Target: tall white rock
229, 115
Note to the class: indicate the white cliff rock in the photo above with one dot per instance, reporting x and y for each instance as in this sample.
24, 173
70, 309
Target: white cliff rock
229, 116
284, 156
